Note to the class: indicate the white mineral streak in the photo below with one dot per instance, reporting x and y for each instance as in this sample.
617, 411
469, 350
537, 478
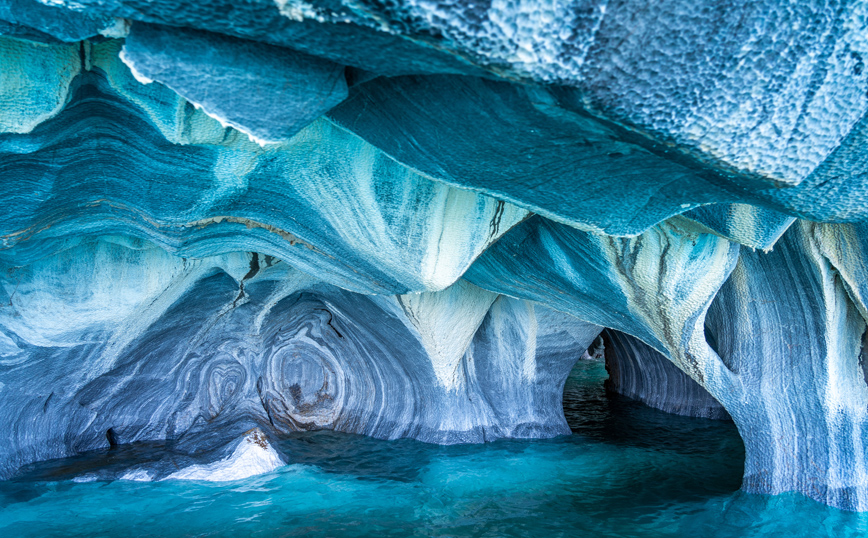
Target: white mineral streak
530, 345
289, 281
451, 229
53, 305
137, 475
297, 10
226, 124
446, 322
8, 348
118, 30
846, 387
142, 79
235, 264
669, 274
516, 350
842, 244
71, 294
253, 456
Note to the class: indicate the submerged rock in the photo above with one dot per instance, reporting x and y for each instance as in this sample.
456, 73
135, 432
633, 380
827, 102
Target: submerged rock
253, 455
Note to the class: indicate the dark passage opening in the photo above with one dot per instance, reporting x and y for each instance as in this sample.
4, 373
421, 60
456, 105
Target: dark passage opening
658, 457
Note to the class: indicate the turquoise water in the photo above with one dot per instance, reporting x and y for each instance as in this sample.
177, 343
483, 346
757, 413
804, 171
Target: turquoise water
627, 471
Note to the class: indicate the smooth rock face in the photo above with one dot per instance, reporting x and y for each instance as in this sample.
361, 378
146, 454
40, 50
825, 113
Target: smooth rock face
656, 286
796, 355
568, 157
639, 372
268, 92
350, 244
524, 145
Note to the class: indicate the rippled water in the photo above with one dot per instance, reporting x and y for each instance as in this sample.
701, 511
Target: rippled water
627, 471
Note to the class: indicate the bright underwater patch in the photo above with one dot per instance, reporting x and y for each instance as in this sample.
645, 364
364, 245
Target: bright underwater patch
627, 470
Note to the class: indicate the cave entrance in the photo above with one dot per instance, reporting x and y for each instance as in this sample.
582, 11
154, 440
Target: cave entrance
660, 455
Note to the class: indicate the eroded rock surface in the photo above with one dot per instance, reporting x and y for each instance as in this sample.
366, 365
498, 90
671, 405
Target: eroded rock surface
115, 341
409, 219
638, 371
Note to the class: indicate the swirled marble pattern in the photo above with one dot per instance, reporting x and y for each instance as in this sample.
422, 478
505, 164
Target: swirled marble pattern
200, 351
100, 167
299, 215
656, 286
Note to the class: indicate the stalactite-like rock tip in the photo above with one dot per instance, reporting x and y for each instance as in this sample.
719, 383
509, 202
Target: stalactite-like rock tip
223, 222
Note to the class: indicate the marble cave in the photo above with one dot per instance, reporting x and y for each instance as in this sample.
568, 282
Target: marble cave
353, 251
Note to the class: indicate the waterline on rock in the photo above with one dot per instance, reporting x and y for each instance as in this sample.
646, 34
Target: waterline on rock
627, 470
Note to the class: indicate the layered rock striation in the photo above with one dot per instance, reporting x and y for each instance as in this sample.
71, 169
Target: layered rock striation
410, 219
116, 341
638, 371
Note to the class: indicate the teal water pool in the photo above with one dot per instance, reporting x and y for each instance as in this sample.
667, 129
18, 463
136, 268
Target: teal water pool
627, 471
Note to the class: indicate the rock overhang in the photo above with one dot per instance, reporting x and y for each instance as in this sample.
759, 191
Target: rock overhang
450, 201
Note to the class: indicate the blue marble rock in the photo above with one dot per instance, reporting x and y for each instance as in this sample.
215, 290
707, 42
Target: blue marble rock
146, 163
752, 226
268, 92
114, 341
639, 372
50, 21
792, 339
35, 82
656, 286
554, 156
411, 218
781, 348
634, 67
520, 144
327, 30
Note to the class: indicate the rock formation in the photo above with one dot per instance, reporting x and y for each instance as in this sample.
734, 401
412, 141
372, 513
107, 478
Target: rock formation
638, 371
410, 219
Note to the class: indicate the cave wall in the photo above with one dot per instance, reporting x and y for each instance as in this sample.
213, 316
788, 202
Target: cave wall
795, 350
640, 372
115, 341
409, 219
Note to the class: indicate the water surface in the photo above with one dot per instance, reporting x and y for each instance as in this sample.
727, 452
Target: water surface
627, 471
